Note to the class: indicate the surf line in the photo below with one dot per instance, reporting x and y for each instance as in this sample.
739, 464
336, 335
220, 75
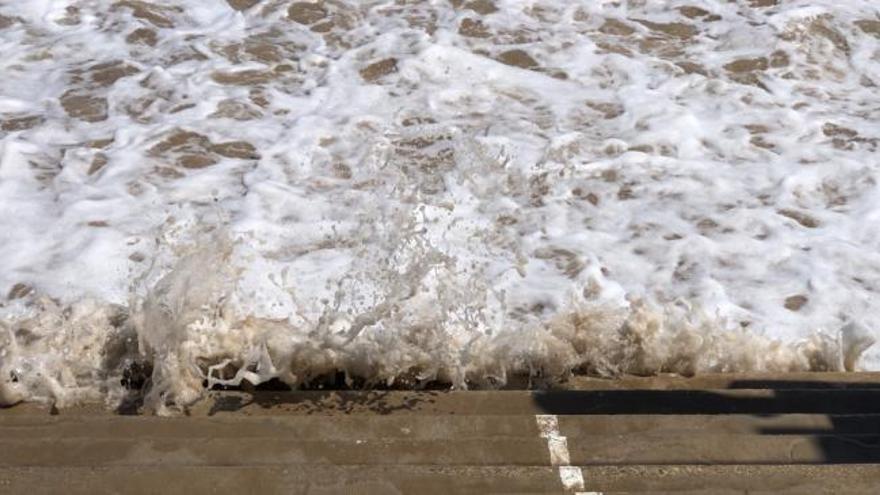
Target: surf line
572, 477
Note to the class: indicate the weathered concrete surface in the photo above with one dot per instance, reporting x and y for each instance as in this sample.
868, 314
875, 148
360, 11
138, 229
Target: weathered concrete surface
440, 480
799, 433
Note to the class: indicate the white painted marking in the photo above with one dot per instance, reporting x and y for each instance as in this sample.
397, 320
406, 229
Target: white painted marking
558, 446
572, 477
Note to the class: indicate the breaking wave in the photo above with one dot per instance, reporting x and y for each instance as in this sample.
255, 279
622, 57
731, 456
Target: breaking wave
186, 333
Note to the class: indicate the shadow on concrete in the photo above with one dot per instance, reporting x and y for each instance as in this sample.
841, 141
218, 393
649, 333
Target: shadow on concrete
852, 410
756, 402
854, 433
324, 402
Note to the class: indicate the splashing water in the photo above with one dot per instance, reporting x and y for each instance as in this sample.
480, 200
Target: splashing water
192, 332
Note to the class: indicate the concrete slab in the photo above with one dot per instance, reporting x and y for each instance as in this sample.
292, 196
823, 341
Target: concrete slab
799, 433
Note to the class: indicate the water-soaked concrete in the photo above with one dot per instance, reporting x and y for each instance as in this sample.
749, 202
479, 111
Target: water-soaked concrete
798, 433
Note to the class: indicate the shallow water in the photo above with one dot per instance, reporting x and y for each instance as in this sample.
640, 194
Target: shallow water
444, 190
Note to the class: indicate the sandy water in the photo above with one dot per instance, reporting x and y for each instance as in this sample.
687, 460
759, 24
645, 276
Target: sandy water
411, 191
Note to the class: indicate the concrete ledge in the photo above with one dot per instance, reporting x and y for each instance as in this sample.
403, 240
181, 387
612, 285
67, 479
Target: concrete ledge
798, 433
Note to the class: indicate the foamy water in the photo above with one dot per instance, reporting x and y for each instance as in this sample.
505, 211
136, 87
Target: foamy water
216, 191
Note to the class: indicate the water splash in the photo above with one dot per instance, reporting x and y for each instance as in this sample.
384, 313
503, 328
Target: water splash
189, 330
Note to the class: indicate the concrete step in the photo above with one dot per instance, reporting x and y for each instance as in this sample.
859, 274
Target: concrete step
724, 449
631, 449
854, 424
716, 381
427, 427
366, 480
685, 402
751, 479
711, 434
560, 402
440, 480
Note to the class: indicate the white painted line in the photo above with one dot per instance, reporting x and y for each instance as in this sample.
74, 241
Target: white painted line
558, 451
547, 424
572, 477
